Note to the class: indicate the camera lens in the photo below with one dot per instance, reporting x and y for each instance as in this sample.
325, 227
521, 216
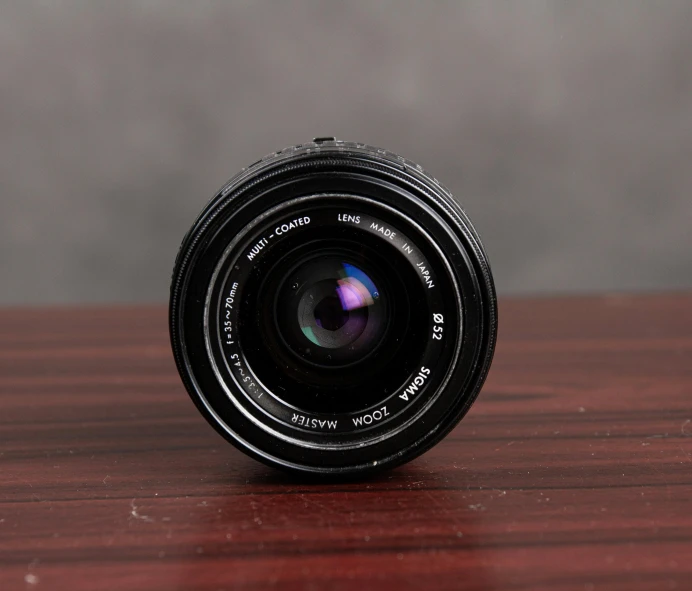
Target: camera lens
332, 310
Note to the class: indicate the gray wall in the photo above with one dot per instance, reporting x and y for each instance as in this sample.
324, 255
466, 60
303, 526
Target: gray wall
565, 128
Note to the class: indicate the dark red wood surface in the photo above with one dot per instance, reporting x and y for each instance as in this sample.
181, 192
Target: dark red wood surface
573, 470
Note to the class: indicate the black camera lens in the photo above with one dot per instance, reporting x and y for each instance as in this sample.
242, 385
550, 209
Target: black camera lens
332, 310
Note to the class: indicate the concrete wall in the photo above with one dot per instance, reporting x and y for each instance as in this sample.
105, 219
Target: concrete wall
565, 128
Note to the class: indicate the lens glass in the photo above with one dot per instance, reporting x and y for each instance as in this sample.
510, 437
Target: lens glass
330, 312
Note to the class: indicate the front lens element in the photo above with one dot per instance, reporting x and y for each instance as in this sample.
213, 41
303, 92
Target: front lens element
331, 312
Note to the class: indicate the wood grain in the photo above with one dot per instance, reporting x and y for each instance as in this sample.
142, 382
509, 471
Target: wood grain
572, 471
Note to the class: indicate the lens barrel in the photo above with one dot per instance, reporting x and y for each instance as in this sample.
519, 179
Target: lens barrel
332, 310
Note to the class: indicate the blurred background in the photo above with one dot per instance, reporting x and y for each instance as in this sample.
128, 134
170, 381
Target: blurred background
564, 128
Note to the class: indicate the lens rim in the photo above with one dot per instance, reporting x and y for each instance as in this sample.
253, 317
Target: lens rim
350, 437
386, 179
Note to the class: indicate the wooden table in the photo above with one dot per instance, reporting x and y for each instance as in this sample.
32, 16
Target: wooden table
572, 471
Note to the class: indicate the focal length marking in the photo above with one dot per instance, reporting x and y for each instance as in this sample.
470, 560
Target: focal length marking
228, 307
